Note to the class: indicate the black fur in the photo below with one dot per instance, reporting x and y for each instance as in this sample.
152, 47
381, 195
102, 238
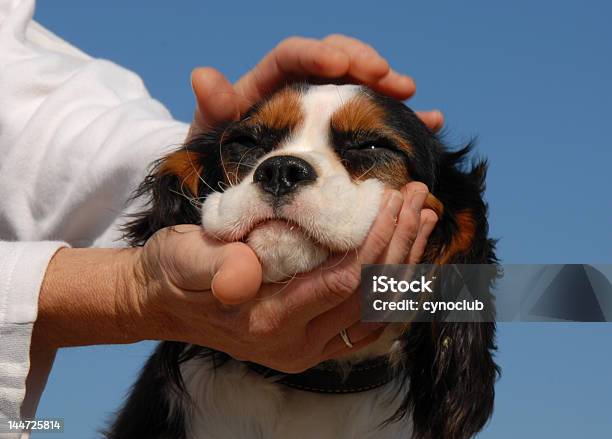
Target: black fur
147, 413
448, 367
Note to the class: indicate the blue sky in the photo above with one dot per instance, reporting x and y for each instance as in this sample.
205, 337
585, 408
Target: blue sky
532, 80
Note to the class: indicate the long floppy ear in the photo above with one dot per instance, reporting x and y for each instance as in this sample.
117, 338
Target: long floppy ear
450, 368
176, 186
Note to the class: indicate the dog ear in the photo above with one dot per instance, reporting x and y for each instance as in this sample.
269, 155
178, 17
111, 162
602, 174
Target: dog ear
451, 374
449, 366
461, 235
175, 187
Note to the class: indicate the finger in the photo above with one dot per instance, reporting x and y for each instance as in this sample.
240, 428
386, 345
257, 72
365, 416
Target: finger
338, 279
327, 325
237, 274
306, 57
428, 223
365, 63
408, 224
216, 99
196, 262
360, 335
292, 59
433, 119
397, 86
383, 228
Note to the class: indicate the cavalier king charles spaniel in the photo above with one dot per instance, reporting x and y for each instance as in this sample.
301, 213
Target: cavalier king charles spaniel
298, 178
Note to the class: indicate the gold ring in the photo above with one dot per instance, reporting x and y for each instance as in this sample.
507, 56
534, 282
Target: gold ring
345, 338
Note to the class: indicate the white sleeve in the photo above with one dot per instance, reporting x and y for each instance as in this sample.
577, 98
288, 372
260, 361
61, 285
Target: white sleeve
76, 137
22, 267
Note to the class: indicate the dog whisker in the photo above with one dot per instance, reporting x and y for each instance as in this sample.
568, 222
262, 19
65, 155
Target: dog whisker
190, 199
196, 171
276, 293
330, 267
221, 139
365, 173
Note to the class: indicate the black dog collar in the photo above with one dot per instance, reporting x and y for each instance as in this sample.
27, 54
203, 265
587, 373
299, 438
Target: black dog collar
362, 377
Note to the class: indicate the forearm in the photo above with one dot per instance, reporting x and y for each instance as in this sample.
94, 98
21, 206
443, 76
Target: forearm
87, 298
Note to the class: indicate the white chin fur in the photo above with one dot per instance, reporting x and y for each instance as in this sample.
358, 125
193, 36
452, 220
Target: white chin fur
334, 215
284, 250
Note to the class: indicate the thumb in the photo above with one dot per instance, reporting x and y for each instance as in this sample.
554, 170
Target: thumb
237, 274
216, 99
433, 119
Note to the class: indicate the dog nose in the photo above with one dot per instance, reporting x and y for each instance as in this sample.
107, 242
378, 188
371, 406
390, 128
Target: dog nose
282, 174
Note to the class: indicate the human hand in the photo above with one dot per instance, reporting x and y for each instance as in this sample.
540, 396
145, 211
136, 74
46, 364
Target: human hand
195, 289
336, 57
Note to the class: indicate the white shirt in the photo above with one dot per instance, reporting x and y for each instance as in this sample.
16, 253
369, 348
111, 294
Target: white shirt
76, 137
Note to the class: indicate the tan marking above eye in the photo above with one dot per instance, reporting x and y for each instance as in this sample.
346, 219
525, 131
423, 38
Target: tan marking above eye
282, 111
360, 114
184, 165
363, 115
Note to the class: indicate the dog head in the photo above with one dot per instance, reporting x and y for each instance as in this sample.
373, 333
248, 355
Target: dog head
301, 176
298, 168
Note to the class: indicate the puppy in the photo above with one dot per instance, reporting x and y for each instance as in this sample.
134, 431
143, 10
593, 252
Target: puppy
298, 178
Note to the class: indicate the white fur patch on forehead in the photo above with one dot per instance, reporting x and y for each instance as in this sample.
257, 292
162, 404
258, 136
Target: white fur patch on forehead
321, 101
318, 104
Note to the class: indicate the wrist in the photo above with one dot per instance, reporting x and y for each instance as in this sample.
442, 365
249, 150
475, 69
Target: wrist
131, 287
143, 311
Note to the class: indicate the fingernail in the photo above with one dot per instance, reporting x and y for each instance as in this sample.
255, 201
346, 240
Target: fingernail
393, 203
191, 82
417, 201
407, 83
212, 284
440, 117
